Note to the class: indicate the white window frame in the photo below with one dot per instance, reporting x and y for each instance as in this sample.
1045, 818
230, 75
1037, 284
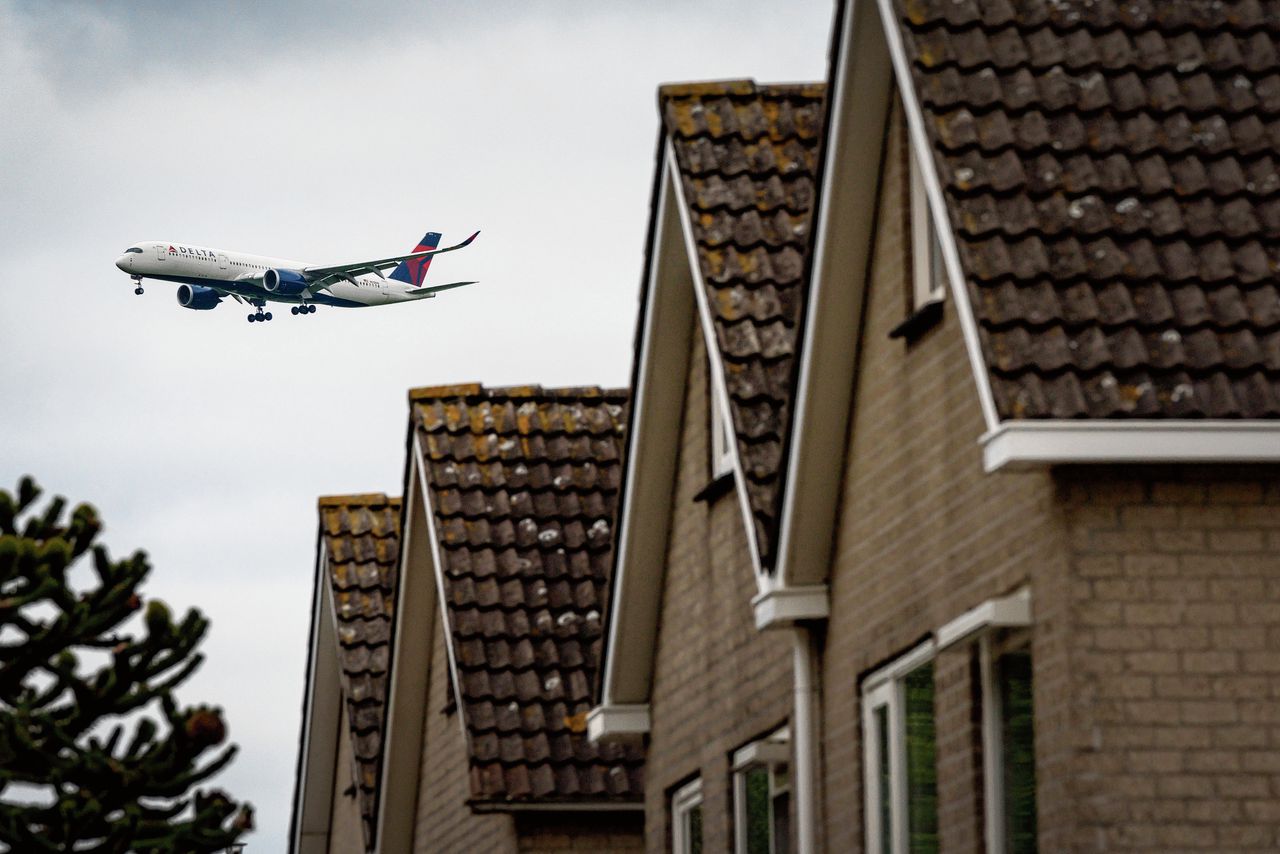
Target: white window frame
721, 439
928, 271
978, 625
884, 689
770, 753
683, 801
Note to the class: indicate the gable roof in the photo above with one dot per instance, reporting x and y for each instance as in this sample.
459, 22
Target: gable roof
1109, 172
361, 539
523, 485
747, 156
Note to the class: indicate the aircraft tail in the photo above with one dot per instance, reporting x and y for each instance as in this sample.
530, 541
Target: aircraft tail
413, 272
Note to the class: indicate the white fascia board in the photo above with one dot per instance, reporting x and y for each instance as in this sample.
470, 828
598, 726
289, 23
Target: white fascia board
842, 253
322, 717
923, 153
1021, 444
650, 462
408, 671
620, 721
783, 607
719, 393
437, 562
1013, 611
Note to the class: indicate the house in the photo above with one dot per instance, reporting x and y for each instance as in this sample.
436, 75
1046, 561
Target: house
496, 566
951, 505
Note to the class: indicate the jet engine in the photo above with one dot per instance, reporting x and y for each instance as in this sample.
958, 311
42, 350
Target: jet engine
197, 297
285, 282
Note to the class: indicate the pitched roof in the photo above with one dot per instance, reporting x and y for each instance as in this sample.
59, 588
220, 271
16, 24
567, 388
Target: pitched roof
1112, 177
361, 535
523, 483
747, 155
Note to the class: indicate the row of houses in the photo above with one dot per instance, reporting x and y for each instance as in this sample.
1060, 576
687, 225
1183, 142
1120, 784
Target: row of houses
942, 511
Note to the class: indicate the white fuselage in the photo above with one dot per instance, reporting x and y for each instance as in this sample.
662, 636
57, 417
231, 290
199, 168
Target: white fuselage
241, 274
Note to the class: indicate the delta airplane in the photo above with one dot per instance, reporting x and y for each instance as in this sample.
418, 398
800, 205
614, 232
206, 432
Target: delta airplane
206, 276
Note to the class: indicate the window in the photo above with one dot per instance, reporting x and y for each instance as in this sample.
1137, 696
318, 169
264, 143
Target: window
1008, 743
928, 274
133, 249
721, 441
899, 750
686, 819
762, 796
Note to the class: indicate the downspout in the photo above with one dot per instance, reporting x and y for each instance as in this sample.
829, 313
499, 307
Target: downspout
806, 738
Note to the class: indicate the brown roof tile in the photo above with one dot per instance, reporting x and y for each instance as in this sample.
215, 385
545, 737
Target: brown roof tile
748, 156
1111, 178
361, 536
524, 487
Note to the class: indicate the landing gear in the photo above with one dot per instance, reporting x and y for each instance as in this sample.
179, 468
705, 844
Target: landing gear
302, 309
137, 281
260, 316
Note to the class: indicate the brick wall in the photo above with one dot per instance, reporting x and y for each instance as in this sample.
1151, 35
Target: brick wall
579, 833
444, 821
718, 683
1176, 699
1156, 600
924, 535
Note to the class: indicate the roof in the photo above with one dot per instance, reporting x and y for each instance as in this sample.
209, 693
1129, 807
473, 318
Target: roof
748, 155
361, 535
1111, 174
523, 483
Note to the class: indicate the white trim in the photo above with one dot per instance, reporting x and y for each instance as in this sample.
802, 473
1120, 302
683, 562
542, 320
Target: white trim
928, 279
719, 394
1031, 443
650, 465
1013, 611
884, 689
321, 722
900, 666
992, 748
408, 680
618, 721
438, 564
722, 442
768, 755
937, 203
842, 252
683, 801
782, 607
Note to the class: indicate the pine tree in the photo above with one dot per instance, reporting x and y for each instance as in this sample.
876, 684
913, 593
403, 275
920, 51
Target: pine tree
98, 758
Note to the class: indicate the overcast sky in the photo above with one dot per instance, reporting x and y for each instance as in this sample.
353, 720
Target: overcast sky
328, 132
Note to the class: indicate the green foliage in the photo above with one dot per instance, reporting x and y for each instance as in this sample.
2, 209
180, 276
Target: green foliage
70, 779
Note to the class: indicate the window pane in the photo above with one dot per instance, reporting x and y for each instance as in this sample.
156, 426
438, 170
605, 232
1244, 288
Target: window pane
757, 785
1018, 738
693, 829
782, 823
922, 776
883, 774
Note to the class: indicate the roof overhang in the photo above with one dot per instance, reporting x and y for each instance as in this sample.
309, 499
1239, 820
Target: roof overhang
858, 108
1023, 444
321, 720
618, 722
409, 664
649, 466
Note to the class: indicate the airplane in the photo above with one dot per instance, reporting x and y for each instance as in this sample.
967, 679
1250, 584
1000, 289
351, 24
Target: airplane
207, 276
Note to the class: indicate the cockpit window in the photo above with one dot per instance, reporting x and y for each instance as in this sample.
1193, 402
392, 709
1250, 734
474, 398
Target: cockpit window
133, 249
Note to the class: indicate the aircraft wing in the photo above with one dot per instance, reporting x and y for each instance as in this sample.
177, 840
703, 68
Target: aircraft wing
435, 289
322, 277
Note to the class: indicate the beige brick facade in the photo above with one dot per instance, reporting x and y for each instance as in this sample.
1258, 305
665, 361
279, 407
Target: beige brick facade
446, 824
718, 683
1156, 635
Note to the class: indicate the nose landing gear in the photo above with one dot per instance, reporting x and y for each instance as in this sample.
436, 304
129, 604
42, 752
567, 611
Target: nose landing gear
137, 281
